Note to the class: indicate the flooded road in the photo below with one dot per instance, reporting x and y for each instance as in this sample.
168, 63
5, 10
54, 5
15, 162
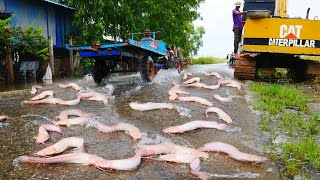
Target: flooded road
17, 135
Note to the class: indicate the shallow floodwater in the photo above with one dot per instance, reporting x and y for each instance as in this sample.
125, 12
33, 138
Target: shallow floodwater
17, 135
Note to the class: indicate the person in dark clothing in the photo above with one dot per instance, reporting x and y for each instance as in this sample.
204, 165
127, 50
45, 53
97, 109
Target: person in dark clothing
237, 26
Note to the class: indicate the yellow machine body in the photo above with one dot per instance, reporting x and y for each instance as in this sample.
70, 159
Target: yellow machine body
282, 35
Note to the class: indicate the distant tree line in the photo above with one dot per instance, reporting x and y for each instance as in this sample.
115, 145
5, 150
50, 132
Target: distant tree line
118, 18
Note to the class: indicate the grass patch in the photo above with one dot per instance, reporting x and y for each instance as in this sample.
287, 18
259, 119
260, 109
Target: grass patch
274, 98
299, 153
208, 60
285, 111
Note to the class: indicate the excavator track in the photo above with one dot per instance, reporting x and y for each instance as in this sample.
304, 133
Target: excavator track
245, 68
313, 69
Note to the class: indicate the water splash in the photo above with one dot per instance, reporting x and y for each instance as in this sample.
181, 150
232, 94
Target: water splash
184, 111
121, 76
109, 89
88, 78
136, 89
165, 76
246, 175
151, 139
15, 163
3, 125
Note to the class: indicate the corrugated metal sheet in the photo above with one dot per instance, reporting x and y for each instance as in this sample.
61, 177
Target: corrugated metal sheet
2, 6
54, 19
58, 4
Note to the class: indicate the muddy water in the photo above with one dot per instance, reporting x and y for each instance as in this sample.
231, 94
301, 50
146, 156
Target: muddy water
17, 135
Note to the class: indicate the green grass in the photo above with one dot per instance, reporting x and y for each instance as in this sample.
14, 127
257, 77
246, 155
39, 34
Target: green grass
208, 60
302, 150
299, 153
274, 98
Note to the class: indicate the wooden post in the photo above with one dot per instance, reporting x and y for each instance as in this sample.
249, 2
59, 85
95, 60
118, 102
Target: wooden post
71, 56
9, 64
51, 55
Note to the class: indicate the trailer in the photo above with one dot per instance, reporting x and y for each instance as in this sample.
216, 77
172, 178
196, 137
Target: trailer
128, 56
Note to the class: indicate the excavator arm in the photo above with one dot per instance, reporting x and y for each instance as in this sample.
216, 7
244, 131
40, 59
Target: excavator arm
281, 8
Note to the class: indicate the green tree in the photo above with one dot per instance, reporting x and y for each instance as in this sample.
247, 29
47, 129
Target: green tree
118, 18
28, 43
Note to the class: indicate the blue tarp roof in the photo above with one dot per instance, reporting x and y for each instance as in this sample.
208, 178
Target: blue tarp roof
58, 4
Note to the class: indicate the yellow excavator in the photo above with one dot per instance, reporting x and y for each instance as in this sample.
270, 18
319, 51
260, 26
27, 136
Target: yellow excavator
273, 40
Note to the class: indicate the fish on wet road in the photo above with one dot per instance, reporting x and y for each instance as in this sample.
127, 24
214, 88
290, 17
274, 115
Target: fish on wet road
130, 129
73, 121
192, 80
43, 134
71, 85
186, 75
175, 153
176, 90
151, 106
217, 75
232, 151
74, 112
223, 99
87, 159
34, 89
222, 115
51, 100
194, 125
63, 145
195, 99
231, 83
201, 85
42, 95
95, 96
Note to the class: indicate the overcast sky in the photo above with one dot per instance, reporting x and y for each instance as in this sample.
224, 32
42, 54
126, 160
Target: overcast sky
217, 21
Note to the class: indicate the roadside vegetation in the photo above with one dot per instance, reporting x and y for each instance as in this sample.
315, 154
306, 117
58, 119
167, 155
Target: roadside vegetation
208, 60
293, 126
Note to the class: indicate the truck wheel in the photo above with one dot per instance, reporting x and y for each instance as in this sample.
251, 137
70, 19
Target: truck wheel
147, 69
98, 72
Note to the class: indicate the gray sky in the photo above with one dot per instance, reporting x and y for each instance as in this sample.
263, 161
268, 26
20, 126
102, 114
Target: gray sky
217, 21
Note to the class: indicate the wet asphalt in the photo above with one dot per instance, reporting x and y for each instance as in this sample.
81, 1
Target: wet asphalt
17, 136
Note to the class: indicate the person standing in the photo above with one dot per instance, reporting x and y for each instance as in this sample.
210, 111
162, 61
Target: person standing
237, 26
